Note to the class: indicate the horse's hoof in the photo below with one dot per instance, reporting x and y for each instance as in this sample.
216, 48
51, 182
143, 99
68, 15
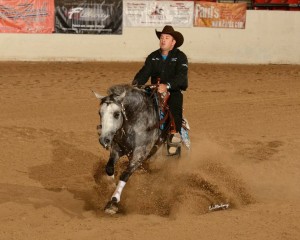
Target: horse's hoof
112, 206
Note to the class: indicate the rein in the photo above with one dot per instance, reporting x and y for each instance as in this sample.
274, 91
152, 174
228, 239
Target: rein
123, 111
161, 104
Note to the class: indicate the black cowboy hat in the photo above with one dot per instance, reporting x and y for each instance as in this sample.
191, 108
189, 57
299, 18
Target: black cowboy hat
176, 35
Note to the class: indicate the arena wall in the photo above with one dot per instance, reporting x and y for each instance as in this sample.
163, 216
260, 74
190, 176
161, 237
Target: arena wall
270, 37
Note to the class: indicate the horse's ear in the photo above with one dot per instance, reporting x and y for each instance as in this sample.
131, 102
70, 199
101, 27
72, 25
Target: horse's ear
98, 95
120, 98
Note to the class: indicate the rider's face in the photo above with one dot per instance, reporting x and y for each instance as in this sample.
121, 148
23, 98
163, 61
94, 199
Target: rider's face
166, 42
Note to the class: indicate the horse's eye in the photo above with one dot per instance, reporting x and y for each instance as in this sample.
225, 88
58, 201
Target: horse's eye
116, 115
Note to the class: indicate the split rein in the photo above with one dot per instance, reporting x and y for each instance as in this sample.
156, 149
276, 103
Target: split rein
161, 101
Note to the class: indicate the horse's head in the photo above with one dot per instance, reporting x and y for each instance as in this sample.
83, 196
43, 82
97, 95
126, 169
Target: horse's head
111, 117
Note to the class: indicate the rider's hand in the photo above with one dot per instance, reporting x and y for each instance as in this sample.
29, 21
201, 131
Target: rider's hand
162, 88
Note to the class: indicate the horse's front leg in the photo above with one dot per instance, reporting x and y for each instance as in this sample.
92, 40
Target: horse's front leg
137, 159
114, 156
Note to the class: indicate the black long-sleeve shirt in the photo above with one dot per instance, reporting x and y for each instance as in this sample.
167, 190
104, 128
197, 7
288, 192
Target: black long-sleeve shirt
172, 71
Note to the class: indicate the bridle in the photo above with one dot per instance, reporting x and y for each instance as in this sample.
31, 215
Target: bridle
123, 111
109, 100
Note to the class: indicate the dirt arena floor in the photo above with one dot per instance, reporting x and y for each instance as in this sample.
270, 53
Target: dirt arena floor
245, 132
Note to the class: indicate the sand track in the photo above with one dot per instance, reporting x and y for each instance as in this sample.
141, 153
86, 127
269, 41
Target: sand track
245, 151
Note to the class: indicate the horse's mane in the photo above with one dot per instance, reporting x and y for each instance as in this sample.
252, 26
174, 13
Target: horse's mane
135, 98
119, 89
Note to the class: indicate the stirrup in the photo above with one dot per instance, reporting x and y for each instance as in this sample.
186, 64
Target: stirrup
173, 147
172, 151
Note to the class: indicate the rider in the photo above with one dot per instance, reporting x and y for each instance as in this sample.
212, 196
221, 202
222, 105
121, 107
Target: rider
170, 65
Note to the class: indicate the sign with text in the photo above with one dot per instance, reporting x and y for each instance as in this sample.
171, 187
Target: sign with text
158, 13
26, 16
88, 16
220, 15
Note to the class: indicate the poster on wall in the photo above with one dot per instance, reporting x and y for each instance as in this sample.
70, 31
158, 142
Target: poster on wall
220, 15
26, 16
88, 16
158, 13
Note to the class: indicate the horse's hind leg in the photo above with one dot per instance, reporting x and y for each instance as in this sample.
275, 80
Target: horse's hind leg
112, 206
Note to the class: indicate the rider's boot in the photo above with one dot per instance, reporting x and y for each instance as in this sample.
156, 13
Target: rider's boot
176, 138
175, 142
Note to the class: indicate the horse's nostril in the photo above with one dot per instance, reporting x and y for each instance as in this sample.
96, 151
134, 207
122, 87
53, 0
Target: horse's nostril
99, 128
106, 141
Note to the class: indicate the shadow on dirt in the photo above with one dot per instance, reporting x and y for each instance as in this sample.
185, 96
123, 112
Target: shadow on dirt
71, 170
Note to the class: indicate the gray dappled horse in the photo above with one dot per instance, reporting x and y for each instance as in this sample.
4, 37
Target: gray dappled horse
129, 126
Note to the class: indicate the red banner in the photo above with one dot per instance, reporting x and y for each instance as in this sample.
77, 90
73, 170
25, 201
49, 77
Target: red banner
26, 16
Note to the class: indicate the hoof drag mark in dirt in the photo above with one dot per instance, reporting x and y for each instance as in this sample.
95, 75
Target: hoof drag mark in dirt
177, 187
163, 186
259, 151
